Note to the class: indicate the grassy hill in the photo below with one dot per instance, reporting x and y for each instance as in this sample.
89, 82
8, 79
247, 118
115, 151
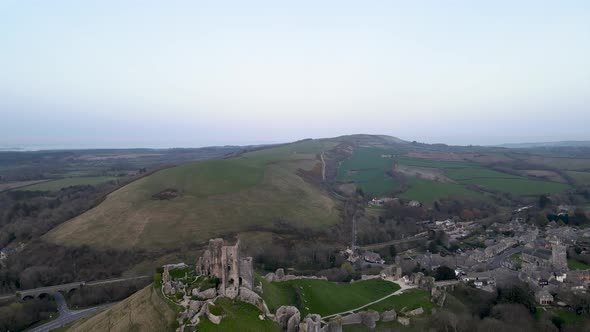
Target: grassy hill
216, 197
282, 186
142, 311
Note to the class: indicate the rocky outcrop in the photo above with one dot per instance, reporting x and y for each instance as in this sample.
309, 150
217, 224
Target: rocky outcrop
404, 321
389, 316
207, 294
254, 299
213, 318
438, 296
280, 275
352, 319
288, 318
311, 323
370, 318
334, 325
415, 312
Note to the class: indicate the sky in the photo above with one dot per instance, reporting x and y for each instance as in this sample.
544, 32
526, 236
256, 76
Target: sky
198, 73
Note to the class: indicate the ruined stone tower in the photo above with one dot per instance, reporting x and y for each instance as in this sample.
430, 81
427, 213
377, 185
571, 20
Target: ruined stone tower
558, 256
225, 263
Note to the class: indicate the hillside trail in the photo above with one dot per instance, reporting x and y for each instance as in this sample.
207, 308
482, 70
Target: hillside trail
323, 166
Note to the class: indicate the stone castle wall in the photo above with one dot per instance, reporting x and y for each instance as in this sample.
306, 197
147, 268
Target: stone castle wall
225, 263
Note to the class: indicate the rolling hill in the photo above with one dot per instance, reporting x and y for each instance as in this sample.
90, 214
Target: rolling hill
258, 189
301, 185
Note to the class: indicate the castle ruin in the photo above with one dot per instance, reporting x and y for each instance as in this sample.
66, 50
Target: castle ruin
225, 263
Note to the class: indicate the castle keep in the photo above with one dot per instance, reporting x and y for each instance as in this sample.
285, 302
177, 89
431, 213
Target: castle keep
225, 263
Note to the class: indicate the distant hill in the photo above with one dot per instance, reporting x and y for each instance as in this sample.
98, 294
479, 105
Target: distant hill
546, 144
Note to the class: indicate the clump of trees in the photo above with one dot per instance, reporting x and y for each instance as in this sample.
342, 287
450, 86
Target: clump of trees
94, 295
44, 264
26, 215
19, 315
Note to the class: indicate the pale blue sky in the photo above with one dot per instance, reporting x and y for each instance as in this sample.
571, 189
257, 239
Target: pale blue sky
196, 73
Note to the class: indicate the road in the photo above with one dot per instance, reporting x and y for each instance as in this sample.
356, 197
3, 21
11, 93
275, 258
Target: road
417, 237
66, 315
495, 261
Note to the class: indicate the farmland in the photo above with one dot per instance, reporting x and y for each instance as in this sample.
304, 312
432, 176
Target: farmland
580, 177
68, 182
429, 191
367, 169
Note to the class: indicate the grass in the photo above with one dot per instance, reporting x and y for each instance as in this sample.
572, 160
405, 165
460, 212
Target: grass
521, 187
411, 299
237, 316
580, 177
324, 297
435, 163
568, 316
465, 173
142, 311
367, 169
573, 264
429, 191
217, 197
54, 185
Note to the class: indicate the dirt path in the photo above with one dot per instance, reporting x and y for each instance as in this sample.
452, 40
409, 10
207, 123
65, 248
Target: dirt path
323, 167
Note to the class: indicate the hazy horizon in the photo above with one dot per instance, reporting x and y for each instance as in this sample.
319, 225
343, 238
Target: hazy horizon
192, 74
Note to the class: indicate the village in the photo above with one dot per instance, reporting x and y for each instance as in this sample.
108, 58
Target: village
504, 252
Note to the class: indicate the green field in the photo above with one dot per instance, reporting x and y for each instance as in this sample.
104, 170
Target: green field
238, 316
366, 168
573, 264
465, 173
519, 186
580, 177
429, 191
435, 163
410, 299
54, 185
217, 197
324, 297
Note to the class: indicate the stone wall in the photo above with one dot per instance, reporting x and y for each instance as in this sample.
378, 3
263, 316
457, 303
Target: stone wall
226, 264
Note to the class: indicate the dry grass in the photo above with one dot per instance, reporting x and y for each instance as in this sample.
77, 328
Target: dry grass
217, 198
142, 311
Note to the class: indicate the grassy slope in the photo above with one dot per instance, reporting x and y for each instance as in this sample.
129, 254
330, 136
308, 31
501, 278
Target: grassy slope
324, 297
67, 182
218, 197
143, 311
238, 316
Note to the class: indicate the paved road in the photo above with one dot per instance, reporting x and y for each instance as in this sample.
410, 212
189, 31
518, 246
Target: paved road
495, 262
66, 315
416, 237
